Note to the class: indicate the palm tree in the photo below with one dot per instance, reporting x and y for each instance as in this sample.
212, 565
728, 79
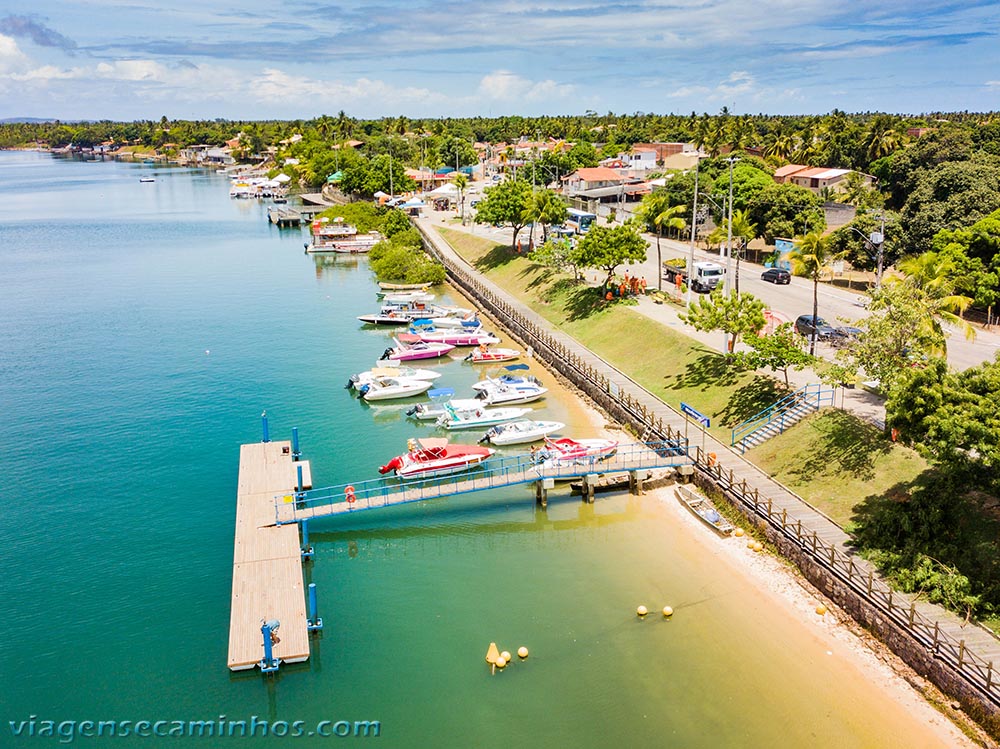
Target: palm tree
931, 277
546, 208
461, 182
743, 230
656, 210
812, 258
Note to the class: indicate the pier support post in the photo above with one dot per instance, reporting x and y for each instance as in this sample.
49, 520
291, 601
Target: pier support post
314, 623
589, 481
541, 494
300, 495
296, 453
307, 550
635, 483
269, 664
263, 420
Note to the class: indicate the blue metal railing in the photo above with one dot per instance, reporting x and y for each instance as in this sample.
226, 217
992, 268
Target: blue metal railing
812, 395
494, 473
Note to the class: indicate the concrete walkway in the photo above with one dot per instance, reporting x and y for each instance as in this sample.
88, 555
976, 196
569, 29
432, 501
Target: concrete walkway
978, 641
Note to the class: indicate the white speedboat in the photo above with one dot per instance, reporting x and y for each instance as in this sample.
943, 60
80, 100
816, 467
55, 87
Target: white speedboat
569, 450
389, 388
409, 373
440, 399
481, 417
415, 351
495, 392
521, 432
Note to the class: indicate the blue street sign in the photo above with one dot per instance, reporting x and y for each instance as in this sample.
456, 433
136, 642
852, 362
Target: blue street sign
699, 417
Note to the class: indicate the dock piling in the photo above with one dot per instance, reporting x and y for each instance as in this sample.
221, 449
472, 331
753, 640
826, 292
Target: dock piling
263, 419
269, 664
307, 550
296, 453
314, 623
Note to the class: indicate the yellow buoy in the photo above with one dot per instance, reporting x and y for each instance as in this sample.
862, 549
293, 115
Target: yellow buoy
821, 609
642, 611
738, 532
758, 546
492, 654
505, 655
501, 662
522, 652
752, 545
668, 611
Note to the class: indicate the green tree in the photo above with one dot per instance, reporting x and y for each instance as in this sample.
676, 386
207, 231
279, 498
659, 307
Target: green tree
607, 247
504, 205
931, 278
812, 257
546, 208
743, 231
780, 350
785, 210
735, 314
656, 213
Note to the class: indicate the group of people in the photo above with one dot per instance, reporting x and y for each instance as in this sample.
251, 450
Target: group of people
629, 286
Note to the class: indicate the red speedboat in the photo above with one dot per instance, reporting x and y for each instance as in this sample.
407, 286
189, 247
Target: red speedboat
433, 456
566, 448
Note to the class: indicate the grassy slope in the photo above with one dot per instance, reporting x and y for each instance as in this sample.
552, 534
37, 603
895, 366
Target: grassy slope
667, 363
834, 461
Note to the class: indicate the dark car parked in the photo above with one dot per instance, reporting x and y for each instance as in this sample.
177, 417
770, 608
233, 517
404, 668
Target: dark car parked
776, 275
805, 325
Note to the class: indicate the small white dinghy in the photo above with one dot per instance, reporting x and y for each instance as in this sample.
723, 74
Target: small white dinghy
388, 388
521, 432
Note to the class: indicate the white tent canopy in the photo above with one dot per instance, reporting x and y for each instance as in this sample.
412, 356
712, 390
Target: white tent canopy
446, 190
380, 194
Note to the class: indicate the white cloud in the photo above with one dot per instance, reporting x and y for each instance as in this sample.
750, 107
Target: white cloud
503, 85
11, 56
993, 84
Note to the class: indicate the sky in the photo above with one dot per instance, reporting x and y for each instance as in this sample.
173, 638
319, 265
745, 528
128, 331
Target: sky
143, 59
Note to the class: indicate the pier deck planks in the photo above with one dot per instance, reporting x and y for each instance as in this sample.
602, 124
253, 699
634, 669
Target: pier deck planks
267, 565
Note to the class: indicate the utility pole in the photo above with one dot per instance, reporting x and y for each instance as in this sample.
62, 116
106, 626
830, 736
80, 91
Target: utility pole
729, 234
881, 244
392, 192
694, 228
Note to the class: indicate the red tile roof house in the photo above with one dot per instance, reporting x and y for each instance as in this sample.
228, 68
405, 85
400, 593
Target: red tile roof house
591, 178
814, 178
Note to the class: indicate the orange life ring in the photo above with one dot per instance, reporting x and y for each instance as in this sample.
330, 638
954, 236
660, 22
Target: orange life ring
349, 494
712, 459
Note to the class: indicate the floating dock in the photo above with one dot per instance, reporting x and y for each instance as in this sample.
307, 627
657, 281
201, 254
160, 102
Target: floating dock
267, 559
284, 216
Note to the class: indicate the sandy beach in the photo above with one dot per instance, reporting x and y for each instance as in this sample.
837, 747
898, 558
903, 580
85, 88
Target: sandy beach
782, 588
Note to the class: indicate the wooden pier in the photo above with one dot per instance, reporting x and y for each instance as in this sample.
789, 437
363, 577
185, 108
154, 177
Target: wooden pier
267, 559
284, 216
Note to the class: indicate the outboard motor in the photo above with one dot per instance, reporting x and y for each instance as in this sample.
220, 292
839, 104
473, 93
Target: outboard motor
364, 389
385, 354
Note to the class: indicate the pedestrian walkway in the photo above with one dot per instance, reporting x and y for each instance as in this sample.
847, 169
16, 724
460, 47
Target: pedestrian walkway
793, 510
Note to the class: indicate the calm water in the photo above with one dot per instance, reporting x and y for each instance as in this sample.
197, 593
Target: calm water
143, 328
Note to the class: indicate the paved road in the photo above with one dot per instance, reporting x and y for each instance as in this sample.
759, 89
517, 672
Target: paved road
836, 305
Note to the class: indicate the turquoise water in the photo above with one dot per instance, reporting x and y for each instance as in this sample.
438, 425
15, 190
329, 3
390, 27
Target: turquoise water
144, 328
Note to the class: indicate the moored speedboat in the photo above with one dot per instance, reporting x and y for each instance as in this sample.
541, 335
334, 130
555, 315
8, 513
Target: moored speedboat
410, 373
521, 432
389, 388
418, 350
434, 456
485, 355
478, 418
495, 392
453, 336
440, 398
566, 448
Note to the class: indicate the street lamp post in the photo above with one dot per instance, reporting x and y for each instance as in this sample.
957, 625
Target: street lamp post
877, 241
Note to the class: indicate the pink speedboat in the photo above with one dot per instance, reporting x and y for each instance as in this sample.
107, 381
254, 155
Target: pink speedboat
566, 448
433, 456
406, 351
453, 336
